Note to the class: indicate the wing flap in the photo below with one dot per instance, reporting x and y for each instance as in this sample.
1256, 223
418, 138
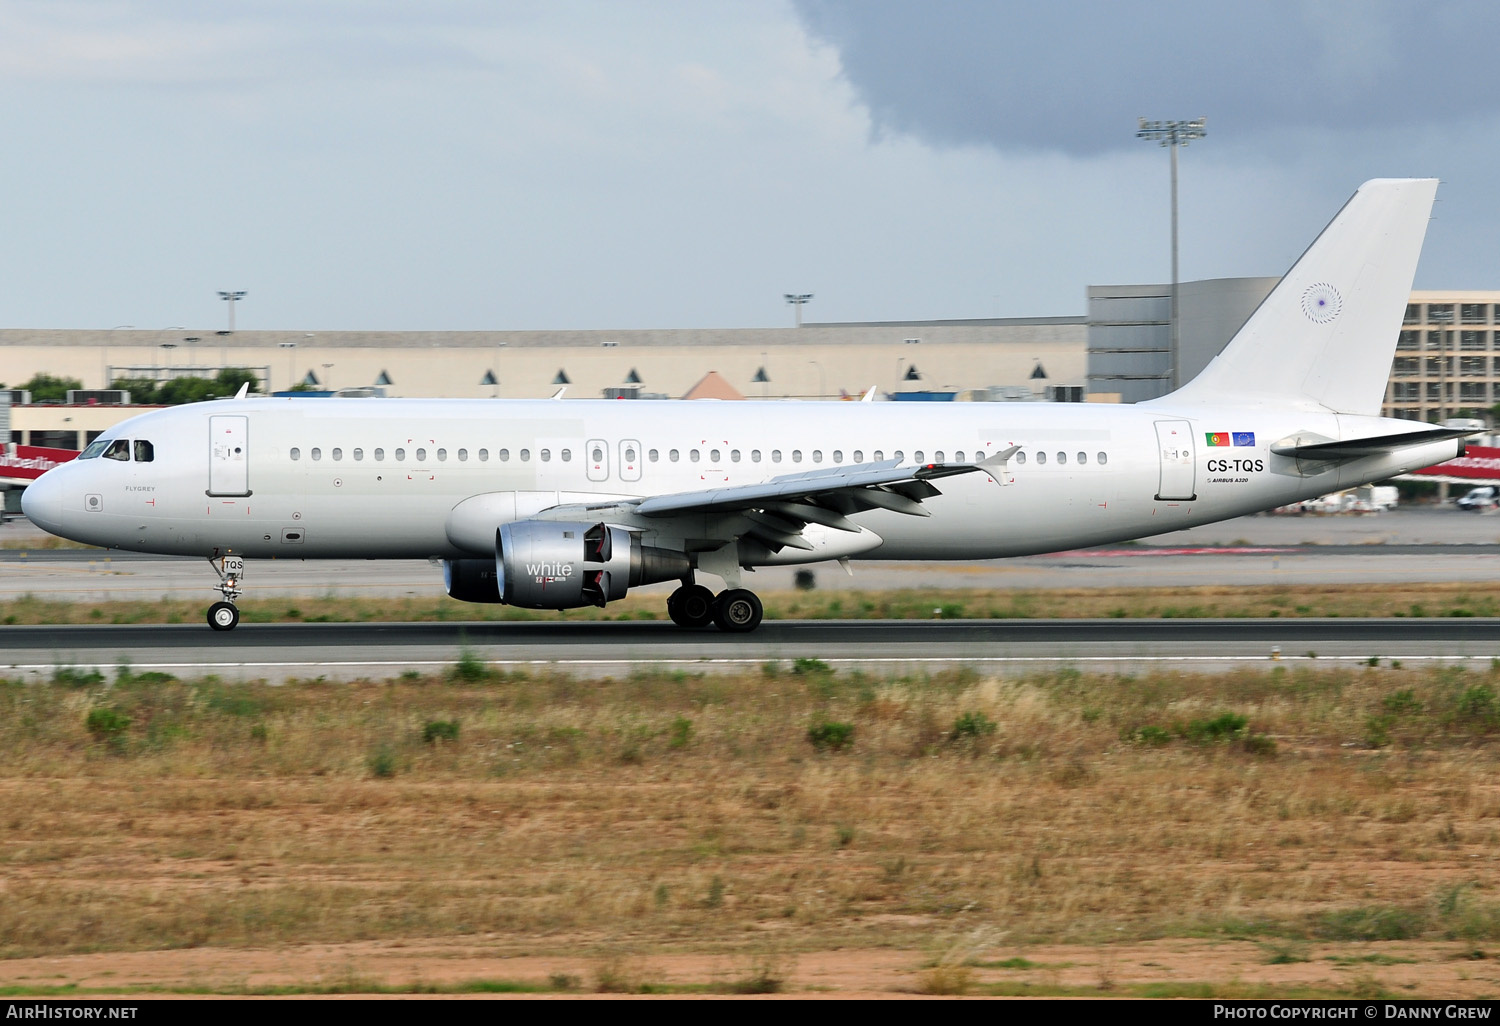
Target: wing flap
859, 481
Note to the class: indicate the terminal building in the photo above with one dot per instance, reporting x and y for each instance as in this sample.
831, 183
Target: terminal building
1447, 361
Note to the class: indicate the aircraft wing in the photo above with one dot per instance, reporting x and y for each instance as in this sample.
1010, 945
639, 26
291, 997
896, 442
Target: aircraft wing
777, 511
839, 490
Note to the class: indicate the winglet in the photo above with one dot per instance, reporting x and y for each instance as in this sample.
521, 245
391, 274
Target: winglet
559, 392
999, 459
869, 397
244, 390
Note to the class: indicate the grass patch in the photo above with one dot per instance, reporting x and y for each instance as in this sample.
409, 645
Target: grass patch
253, 816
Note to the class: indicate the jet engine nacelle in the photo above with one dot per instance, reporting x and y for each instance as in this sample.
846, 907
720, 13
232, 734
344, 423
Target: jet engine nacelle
543, 564
472, 580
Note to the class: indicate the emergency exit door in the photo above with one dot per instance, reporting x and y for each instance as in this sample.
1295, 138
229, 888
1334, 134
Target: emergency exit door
1174, 443
228, 455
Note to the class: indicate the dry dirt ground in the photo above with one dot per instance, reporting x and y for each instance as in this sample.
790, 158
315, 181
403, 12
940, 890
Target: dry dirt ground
1169, 967
1256, 834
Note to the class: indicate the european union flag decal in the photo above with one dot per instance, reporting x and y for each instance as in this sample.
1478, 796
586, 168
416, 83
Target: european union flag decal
1244, 438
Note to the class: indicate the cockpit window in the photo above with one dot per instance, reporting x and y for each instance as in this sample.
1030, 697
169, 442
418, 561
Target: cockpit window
144, 451
119, 449
94, 449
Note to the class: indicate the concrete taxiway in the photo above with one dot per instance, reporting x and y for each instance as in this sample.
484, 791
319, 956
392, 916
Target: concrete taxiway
1402, 546
1408, 545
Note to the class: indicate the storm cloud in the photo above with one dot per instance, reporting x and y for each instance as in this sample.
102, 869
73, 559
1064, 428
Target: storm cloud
1073, 76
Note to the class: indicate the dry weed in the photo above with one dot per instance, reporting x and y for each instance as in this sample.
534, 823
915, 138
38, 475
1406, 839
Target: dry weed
244, 814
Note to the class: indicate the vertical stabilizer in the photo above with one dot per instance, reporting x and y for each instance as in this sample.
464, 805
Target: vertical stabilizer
1325, 336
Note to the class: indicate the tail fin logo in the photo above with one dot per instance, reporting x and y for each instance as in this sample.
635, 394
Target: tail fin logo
1321, 302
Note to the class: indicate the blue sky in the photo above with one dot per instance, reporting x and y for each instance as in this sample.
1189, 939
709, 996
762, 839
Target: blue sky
683, 163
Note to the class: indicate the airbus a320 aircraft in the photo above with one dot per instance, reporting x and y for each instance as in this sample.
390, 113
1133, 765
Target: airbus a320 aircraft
558, 504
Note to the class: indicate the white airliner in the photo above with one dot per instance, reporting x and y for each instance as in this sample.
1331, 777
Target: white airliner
557, 504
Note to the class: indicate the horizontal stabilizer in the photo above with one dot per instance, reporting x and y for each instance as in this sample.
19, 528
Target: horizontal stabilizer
1379, 445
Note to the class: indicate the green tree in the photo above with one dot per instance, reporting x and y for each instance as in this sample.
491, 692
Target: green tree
142, 390
45, 388
230, 379
188, 390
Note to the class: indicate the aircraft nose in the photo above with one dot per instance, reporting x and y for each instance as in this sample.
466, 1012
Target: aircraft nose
42, 503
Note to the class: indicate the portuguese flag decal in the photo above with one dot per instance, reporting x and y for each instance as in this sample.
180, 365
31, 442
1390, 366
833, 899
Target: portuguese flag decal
1218, 437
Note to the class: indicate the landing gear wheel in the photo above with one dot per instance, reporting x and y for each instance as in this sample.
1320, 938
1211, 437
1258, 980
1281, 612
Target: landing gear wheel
737, 611
223, 616
691, 605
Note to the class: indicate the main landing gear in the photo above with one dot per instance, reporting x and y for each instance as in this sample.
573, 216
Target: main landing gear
735, 611
224, 616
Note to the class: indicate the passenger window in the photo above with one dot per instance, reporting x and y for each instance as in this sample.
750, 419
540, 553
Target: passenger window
796, 455
296, 453
504, 455
734, 455
693, 455
918, 456
937, 457
1083, 458
654, 455
674, 455
898, 456
713, 456
421, 455
484, 455
144, 452
958, 457
546, 455
338, 454
596, 454
463, 455
380, 455
878, 456
1103, 459
525, 455
400, 455
1041, 459
317, 453
359, 454
775, 455
630, 454
567, 455
1062, 458
859, 456
817, 455
119, 449
838, 456
754, 455
1021, 458
442, 455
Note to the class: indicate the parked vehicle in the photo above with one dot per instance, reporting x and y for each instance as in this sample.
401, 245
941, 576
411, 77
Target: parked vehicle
1483, 497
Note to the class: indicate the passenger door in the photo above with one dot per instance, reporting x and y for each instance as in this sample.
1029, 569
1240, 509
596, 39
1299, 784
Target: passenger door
1174, 442
229, 455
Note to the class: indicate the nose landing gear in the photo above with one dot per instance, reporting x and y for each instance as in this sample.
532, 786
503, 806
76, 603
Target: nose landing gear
224, 616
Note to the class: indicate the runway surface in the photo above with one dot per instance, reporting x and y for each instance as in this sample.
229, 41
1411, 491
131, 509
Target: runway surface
1418, 544
279, 652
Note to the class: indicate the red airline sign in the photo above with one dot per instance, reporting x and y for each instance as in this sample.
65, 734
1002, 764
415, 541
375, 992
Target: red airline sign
1480, 463
22, 464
